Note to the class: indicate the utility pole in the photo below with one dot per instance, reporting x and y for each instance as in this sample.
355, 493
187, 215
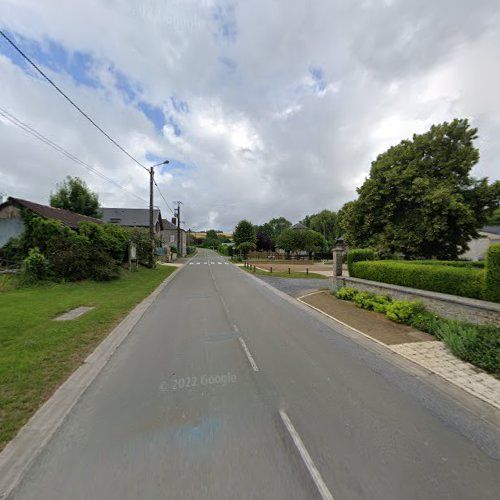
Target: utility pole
178, 215
151, 225
152, 260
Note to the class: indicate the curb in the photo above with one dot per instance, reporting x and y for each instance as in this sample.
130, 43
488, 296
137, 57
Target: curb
18, 455
394, 351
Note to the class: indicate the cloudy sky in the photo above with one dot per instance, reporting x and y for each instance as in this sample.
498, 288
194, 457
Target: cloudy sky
264, 108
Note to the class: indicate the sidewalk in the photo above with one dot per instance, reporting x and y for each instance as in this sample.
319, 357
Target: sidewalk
419, 347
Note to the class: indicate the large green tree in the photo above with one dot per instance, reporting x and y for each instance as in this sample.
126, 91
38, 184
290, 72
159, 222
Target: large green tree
293, 240
325, 222
74, 195
278, 225
244, 232
420, 199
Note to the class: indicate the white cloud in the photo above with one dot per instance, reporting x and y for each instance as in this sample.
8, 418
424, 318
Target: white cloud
287, 107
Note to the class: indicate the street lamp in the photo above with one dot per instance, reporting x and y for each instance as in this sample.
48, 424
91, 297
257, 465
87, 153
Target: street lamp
151, 226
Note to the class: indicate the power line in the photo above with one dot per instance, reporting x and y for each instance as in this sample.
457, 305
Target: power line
27, 128
70, 100
161, 194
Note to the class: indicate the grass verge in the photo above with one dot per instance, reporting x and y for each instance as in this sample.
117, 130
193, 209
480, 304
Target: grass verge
286, 275
37, 354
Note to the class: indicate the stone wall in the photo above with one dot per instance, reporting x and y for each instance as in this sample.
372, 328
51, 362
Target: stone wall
444, 305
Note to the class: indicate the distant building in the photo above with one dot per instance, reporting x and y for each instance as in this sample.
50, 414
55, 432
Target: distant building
12, 225
133, 217
489, 235
169, 235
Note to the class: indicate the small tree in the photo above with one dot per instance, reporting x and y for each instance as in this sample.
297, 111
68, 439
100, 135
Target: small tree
245, 248
244, 232
74, 195
35, 267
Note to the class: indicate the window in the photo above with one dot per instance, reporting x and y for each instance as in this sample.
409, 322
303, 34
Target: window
172, 238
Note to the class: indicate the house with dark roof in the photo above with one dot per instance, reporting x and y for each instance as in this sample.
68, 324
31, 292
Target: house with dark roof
12, 225
132, 217
169, 236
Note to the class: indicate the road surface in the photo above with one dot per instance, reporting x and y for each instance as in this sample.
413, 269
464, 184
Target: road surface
227, 390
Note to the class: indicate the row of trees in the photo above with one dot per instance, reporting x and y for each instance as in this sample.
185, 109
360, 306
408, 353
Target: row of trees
278, 233
420, 200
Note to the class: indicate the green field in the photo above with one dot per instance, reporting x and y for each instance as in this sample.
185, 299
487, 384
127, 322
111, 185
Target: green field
37, 354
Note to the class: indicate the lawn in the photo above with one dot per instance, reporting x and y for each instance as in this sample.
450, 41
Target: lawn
285, 274
37, 354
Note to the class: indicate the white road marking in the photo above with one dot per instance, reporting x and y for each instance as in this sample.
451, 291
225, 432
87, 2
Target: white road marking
219, 262
204, 262
224, 303
235, 328
191, 263
226, 263
249, 356
212, 263
304, 454
198, 263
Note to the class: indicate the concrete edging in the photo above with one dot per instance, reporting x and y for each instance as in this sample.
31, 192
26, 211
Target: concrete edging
18, 455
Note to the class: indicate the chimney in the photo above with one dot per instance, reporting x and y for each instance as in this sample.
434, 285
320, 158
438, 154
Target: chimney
174, 221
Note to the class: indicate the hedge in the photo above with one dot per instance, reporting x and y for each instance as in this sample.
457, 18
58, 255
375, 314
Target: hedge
492, 279
359, 255
465, 282
453, 263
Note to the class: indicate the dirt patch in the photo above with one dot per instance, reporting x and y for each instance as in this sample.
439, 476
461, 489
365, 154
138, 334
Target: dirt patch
373, 324
294, 268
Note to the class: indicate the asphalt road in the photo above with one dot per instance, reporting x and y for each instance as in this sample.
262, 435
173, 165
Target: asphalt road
227, 390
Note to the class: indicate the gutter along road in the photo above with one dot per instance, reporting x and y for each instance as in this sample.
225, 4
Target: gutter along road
227, 389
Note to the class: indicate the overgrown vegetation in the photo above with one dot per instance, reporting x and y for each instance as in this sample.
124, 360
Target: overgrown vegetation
476, 344
93, 251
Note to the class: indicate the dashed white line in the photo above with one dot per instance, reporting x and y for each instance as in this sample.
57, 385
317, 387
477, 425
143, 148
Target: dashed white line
249, 356
235, 328
306, 458
219, 263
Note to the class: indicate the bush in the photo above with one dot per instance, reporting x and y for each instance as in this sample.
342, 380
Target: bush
357, 256
476, 344
479, 345
403, 311
103, 267
35, 267
173, 248
346, 293
466, 282
492, 279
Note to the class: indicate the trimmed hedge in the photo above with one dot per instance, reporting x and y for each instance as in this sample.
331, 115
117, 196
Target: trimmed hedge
359, 255
453, 263
492, 279
465, 282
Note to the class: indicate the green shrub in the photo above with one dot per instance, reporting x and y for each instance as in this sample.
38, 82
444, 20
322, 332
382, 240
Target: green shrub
35, 267
492, 280
403, 311
346, 293
451, 263
103, 267
359, 255
173, 248
466, 282
479, 345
